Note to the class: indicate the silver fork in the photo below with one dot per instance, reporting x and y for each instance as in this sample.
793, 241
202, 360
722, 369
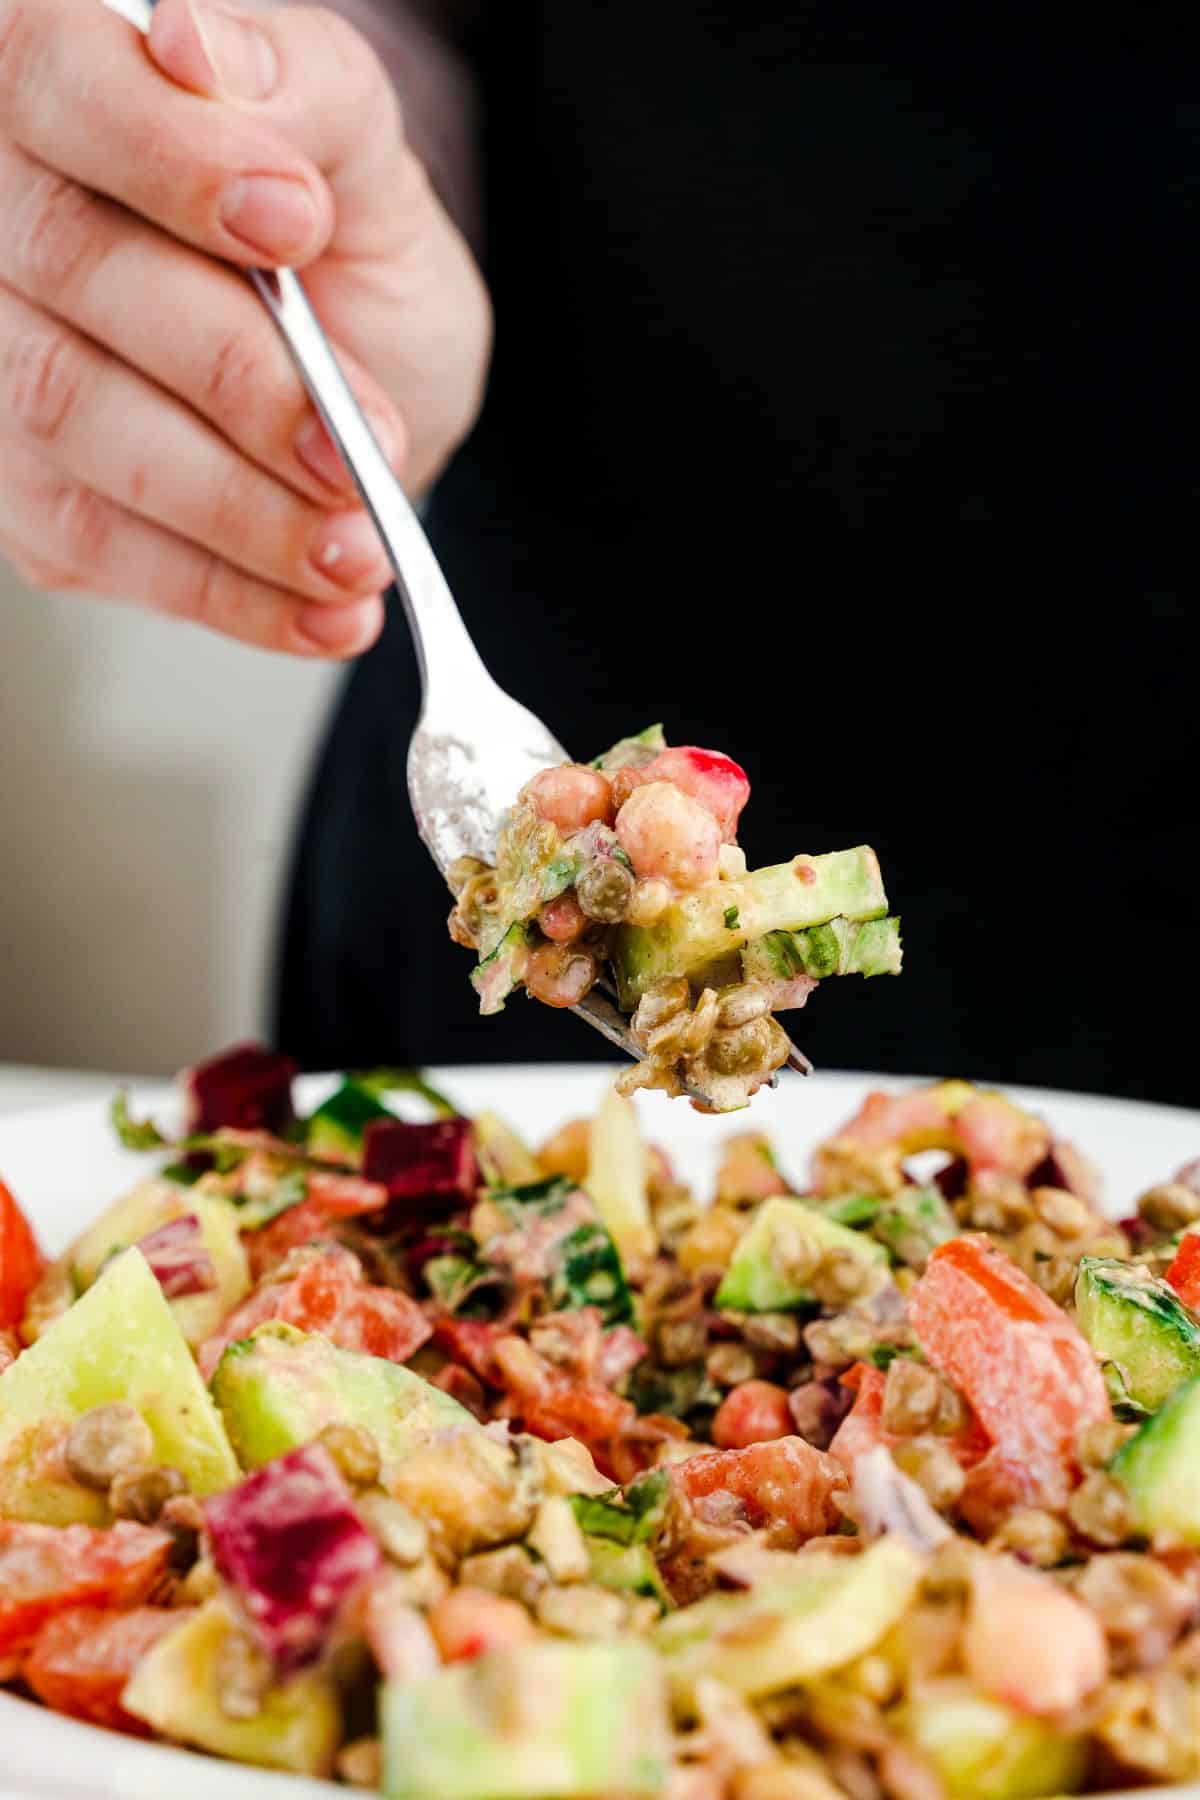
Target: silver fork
474, 747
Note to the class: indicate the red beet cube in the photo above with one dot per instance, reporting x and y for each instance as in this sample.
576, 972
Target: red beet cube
247, 1088
177, 1255
290, 1545
423, 1162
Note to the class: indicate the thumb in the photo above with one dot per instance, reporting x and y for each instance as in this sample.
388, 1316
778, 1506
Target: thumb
311, 75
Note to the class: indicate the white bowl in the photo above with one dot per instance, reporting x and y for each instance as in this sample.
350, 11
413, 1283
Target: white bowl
64, 1165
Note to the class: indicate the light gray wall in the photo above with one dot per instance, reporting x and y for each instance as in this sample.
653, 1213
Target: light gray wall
149, 775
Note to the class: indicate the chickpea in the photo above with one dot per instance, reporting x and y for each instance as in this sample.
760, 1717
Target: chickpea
570, 797
668, 835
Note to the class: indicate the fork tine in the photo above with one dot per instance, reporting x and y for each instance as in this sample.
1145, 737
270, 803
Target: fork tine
797, 1060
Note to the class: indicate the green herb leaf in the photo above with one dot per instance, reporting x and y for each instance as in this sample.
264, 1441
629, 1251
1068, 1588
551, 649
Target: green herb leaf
591, 1275
134, 1134
730, 916
404, 1081
257, 1210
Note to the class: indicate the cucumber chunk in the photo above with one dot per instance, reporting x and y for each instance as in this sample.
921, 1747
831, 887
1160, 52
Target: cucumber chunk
784, 1234
175, 1689
842, 947
149, 1206
983, 1750
696, 929
1134, 1319
815, 1617
617, 1179
279, 1388
337, 1128
119, 1342
544, 1721
1160, 1469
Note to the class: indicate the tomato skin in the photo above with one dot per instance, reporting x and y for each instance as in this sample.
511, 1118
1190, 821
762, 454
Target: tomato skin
786, 1481
21, 1262
329, 1198
753, 1412
1184, 1272
470, 1621
44, 1569
709, 776
82, 1659
328, 1295
1022, 1364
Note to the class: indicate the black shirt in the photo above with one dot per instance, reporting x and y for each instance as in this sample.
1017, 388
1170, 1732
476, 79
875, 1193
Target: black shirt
841, 419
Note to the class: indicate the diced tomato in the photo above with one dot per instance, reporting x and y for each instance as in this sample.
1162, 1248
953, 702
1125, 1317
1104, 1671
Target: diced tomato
21, 1262
715, 780
329, 1198
473, 1343
862, 1428
995, 1134
787, 1481
1184, 1272
82, 1659
328, 1295
987, 1129
470, 1621
46, 1568
1015, 1356
551, 1404
995, 1487
753, 1412
462, 1386
915, 1121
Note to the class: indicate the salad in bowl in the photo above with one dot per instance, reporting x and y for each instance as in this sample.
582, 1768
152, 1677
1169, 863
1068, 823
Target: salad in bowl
453, 1468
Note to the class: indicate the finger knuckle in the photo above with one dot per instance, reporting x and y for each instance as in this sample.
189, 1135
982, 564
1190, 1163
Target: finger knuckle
232, 375
83, 522
43, 375
23, 46
58, 236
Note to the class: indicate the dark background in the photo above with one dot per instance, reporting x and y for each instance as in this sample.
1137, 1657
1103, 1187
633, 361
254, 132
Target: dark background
843, 418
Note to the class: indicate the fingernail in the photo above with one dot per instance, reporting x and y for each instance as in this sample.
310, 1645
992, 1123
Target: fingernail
342, 630
273, 215
317, 452
347, 550
241, 58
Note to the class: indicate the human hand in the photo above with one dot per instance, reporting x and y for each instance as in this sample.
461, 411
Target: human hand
155, 441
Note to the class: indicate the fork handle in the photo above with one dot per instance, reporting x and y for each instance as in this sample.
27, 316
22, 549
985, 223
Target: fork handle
440, 638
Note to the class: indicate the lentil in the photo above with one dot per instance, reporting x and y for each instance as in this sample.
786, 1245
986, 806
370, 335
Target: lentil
604, 890
775, 1332
1034, 1535
1099, 1510
912, 1398
1169, 1206
742, 1004
1065, 1213
108, 1441
728, 1365
141, 1494
936, 1470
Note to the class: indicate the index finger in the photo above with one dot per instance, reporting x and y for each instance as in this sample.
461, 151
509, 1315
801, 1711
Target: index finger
79, 91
